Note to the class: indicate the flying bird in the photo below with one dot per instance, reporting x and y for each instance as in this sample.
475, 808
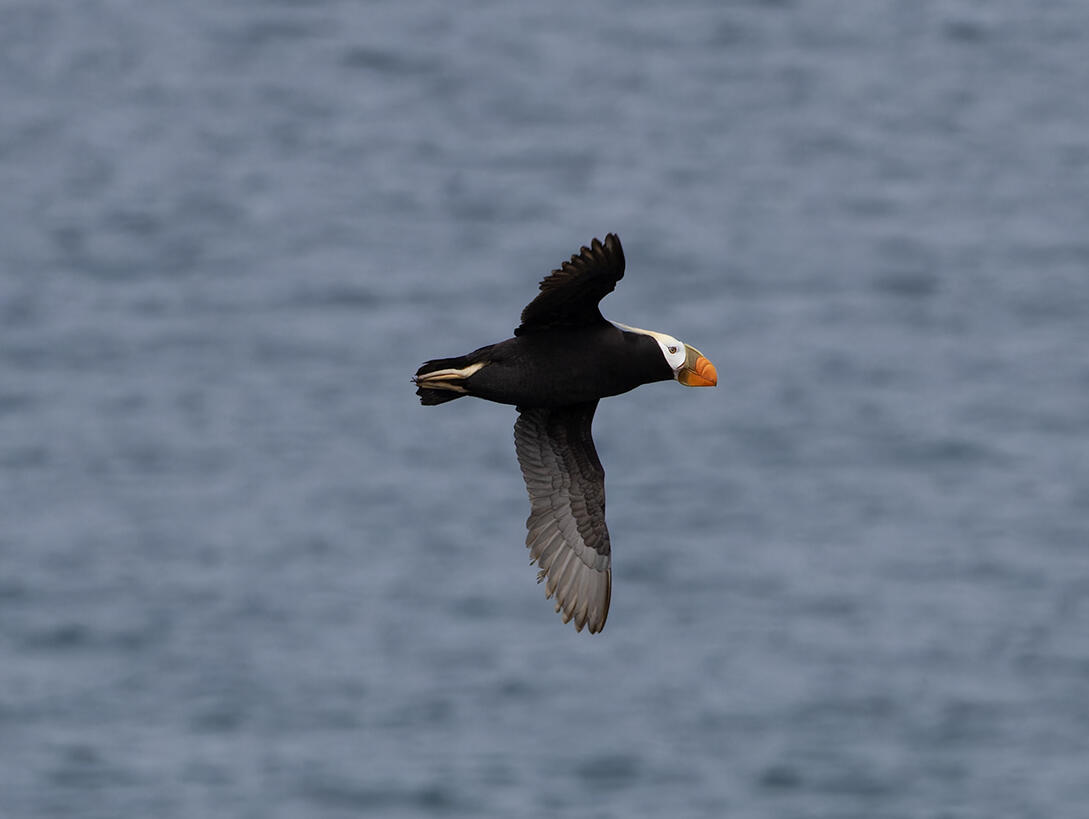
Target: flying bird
565, 357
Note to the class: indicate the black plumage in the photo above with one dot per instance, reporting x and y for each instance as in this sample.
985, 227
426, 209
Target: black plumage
563, 358
569, 296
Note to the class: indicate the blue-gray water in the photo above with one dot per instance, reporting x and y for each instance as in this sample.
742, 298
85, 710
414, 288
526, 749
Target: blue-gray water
243, 573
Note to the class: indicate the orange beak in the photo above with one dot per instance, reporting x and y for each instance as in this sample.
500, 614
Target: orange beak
697, 370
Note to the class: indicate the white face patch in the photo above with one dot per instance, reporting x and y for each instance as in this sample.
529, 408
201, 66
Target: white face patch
673, 349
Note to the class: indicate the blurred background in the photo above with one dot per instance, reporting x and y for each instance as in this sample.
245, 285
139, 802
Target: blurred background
243, 573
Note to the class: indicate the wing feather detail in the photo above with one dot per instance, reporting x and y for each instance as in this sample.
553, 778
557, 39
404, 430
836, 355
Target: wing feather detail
570, 294
567, 536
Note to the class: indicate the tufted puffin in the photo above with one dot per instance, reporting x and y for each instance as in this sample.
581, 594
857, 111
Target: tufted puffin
564, 357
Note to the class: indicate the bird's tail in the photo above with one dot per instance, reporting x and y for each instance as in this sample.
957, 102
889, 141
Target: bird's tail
444, 379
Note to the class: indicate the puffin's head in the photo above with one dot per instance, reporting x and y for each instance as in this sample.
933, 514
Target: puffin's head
690, 366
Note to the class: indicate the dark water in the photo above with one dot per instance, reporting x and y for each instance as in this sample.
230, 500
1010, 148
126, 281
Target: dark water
243, 573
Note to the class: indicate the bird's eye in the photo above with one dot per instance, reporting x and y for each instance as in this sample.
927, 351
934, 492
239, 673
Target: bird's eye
672, 350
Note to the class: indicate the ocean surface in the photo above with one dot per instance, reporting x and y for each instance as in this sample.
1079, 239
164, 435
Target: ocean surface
244, 574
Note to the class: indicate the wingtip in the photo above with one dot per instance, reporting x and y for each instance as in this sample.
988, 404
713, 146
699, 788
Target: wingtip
614, 248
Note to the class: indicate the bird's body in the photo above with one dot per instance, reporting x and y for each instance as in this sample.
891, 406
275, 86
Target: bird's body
551, 368
563, 358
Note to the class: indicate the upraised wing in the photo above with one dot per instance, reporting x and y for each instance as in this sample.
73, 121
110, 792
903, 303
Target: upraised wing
569, 295
567, 536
